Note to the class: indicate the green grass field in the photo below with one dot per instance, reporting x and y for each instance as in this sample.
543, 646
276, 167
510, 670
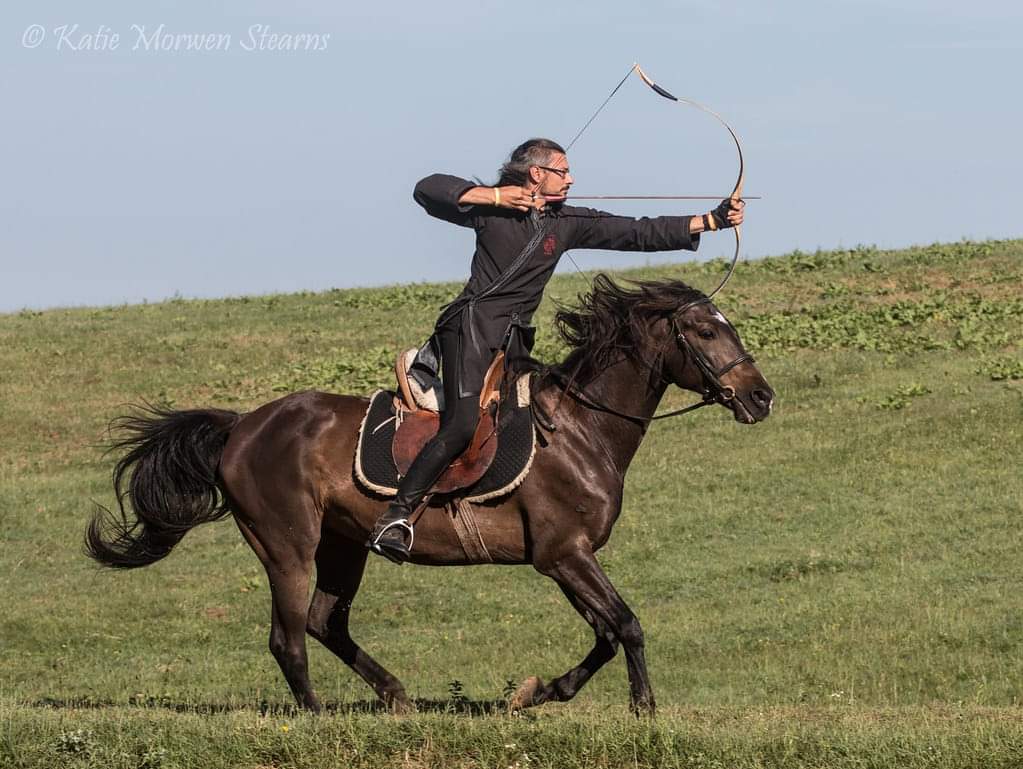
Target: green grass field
837, 587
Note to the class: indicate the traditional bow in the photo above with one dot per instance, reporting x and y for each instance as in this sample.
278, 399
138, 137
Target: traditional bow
736, 190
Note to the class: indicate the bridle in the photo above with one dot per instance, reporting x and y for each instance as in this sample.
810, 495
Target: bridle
714, 391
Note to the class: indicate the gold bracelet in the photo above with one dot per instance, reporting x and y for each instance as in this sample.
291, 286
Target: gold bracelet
711, 222
497, 196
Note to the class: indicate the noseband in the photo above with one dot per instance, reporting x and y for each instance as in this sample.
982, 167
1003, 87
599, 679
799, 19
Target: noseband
713, 391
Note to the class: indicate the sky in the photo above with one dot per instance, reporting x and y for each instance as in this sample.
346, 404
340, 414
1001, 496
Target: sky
138, 170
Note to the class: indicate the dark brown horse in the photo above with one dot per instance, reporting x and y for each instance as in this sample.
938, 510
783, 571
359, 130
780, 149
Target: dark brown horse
285, 471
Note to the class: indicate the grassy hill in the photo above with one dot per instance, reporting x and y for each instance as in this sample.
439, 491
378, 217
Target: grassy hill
838, 586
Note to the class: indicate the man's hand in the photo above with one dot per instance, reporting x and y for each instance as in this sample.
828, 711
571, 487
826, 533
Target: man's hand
512, 196
728, 213
519, 198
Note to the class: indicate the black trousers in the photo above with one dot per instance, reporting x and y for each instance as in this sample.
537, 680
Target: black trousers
458, 423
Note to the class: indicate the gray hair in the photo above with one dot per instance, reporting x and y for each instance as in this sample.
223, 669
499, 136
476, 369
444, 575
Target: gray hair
534, 152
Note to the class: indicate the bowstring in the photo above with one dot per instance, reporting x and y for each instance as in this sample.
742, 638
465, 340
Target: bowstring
601, 107
580, 133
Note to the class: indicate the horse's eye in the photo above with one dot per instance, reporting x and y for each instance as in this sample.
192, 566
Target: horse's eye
706, 333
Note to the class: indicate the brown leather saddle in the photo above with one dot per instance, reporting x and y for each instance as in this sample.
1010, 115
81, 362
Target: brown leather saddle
418, 418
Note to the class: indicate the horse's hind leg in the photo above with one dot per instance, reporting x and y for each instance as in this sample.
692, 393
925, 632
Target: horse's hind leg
339, 568
290, 588
288, 569
534, 691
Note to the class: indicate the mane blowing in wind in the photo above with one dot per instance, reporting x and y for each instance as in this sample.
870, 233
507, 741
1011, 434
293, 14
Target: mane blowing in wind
612, 322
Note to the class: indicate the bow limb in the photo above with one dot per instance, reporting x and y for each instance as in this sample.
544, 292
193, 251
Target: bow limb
737, 189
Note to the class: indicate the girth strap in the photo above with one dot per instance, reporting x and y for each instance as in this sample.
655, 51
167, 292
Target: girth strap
463, 521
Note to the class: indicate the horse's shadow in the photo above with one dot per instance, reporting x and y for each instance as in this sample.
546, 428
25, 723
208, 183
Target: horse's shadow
461, 706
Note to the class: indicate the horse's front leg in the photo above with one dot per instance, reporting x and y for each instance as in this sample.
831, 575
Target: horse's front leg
591, 592
533, 690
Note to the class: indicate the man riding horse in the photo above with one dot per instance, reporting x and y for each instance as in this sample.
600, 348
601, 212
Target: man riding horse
522, 228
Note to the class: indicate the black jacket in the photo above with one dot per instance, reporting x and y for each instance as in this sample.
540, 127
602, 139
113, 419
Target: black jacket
516, 254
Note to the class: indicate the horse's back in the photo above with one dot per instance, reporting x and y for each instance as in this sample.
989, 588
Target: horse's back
293, 449
294, 421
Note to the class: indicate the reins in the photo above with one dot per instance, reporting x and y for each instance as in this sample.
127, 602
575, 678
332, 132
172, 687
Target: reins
578, 395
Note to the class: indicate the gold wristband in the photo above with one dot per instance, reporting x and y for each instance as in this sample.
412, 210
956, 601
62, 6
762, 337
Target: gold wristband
497, 196
712, 225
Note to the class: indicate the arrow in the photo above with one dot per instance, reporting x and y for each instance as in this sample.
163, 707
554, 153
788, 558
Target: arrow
655, 197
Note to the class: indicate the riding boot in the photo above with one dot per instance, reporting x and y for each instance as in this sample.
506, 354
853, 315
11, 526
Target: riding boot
393, 535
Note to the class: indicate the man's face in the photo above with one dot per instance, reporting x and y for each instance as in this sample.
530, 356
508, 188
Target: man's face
553, 177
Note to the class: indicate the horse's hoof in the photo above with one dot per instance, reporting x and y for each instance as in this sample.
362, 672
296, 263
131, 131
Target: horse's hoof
399, 704
526, 695
643, 708
402, 707
310, 702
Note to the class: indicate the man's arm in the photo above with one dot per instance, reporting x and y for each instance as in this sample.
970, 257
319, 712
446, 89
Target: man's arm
440, 195
452, 199
599, 229
510, 196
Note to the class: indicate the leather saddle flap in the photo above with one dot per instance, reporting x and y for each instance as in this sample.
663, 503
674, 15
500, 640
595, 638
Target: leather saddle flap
420, 426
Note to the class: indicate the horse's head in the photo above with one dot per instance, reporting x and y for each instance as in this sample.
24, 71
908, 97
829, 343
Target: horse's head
705, 355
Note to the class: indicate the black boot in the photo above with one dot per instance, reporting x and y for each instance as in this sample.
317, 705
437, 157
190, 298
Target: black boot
392, 536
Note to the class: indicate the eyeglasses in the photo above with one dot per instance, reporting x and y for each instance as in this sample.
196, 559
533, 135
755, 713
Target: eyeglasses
562, 172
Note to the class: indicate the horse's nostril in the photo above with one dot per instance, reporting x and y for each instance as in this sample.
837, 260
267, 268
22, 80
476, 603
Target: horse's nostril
762, 398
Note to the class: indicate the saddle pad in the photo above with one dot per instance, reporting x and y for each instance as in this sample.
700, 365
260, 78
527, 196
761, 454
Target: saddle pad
516, 443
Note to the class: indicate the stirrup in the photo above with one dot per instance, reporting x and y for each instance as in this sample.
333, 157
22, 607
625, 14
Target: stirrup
392, 551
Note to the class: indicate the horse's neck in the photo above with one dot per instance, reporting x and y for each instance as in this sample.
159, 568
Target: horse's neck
628, 388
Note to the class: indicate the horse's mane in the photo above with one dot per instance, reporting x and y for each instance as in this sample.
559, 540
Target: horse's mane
612, 322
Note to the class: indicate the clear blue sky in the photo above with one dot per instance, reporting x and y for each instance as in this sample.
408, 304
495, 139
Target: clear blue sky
131, 174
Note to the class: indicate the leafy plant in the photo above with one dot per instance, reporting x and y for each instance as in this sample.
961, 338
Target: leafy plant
901, 397
903, 326
152, 758
1001, 368
77, 742
456, 690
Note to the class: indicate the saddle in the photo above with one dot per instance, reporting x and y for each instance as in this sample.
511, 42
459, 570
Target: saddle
418, 408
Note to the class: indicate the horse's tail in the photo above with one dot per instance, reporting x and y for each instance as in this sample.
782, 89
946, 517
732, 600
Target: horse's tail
169, 477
